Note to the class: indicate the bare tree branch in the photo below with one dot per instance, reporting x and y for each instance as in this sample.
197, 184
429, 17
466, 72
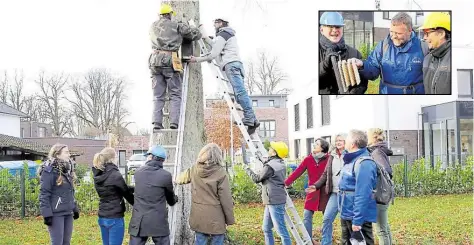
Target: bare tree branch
16, 91
266, 75
4, 88
52, 100
99, 101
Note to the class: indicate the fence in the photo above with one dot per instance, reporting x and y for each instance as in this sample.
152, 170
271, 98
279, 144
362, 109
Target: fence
19, 192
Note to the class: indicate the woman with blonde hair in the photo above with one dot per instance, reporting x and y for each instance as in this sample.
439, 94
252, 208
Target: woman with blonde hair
379, 151
57, 203
212, 205
112, 189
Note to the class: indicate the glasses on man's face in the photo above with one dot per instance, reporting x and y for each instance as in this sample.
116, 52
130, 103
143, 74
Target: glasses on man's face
426, 33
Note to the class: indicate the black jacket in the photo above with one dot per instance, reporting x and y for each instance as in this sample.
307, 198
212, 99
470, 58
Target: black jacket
437, 70
54, 199
327, 78
153, 189
380, 153
112, 189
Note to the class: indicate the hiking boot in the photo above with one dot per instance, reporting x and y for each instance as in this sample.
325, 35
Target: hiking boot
251, 129
173, 126
157, 126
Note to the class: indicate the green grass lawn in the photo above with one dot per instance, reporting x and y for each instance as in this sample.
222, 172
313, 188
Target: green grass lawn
418, 220
373, 87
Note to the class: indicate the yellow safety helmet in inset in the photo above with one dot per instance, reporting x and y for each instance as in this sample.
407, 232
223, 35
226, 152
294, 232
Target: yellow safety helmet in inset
280, 148
167, 9
437, 20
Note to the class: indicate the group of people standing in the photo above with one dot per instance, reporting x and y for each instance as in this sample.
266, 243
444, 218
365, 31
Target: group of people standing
405, 63
211, 209
338, 183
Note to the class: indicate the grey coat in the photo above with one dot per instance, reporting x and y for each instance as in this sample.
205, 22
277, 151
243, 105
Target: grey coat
224, 49
272, 178
437, 70
153, 189
54, 199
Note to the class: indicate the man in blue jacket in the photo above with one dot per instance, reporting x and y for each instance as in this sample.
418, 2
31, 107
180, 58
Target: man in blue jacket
358, 181
398, 59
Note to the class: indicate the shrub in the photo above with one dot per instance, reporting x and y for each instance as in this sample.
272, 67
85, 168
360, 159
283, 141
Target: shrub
422, 179
365, 49
244, 190
81, 170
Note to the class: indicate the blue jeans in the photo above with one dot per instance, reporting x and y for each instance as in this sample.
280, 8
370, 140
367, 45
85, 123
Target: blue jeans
235, 73
308, 221
330, 214
274, 216
202, 239
112, 230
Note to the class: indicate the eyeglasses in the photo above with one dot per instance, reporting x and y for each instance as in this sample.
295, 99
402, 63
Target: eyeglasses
426, 33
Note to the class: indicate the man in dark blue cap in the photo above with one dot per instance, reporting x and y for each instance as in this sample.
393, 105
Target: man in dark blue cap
153, 189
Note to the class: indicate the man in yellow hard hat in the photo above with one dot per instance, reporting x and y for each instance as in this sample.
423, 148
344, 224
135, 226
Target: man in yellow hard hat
165, 64
437, 64
274, 194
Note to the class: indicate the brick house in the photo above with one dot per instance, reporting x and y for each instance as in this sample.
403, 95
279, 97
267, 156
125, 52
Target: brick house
272, 113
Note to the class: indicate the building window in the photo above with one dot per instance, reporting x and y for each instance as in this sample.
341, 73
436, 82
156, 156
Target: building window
138, 151
267, 129
41, 132
297, 117
22, 133
386, 15
254, 103
327, 138
309, 113
272, 103
297, 149
325, 110
465, 83
309, 145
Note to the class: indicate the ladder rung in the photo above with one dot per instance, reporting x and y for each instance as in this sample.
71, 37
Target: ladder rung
167, 130
169, 146
169, 163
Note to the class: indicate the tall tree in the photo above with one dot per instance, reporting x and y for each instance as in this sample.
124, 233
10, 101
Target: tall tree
99, 100
217, 125
4, 88
15, 92
265, 75
194, 135
52, 103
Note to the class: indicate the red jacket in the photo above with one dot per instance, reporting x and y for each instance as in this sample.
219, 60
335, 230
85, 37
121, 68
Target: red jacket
317, 200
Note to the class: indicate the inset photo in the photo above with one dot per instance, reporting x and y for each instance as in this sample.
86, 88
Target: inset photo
385, 52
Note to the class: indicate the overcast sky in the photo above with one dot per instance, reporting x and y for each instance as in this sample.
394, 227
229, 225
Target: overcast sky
75, 35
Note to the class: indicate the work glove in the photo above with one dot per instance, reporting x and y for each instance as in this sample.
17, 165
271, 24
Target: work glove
131, 188
176, 198
327, 60
48, 221
76, 215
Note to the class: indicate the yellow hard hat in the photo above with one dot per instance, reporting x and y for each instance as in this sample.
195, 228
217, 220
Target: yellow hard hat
166, 9
280, 147
437, 20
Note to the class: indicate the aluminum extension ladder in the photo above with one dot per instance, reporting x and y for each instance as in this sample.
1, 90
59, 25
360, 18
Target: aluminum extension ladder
256, 147
178, 147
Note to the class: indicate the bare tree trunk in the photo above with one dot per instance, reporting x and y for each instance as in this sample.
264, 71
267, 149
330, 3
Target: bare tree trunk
194, 136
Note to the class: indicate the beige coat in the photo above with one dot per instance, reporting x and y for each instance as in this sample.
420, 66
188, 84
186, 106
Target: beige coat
212, 205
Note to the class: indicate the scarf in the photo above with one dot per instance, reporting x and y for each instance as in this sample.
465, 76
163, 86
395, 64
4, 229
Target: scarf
441, 50
318, 156
330, 46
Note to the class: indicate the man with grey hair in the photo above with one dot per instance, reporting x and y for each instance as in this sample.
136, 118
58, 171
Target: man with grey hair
356, 187
398, 59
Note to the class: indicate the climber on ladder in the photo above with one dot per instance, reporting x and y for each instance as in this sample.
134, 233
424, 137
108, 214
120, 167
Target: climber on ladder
226, 52
165, 64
